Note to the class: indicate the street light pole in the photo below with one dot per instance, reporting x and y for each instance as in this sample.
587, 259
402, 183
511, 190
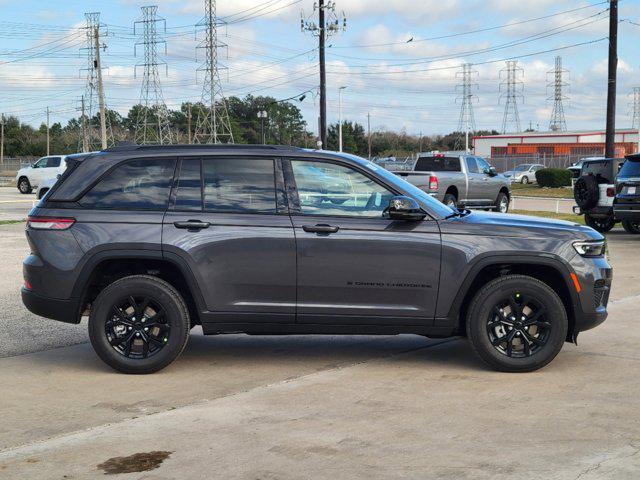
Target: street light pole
340, 118
262, 114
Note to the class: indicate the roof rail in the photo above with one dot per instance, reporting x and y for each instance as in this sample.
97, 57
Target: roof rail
218, 146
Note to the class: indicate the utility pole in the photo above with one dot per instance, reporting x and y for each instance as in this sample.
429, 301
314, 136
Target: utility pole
420, 142
85, 131
609, 144
48, 140
511, 92
262, 114
1, 138
557, 85
369, 133
189, 123
328, 24
340, 117
152, 124
213, 124
467, 120
103, 119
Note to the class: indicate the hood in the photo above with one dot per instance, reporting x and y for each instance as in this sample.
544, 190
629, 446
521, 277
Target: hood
509, 225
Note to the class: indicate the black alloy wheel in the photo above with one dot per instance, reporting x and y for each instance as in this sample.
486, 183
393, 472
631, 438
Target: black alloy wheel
518, 326
137, 327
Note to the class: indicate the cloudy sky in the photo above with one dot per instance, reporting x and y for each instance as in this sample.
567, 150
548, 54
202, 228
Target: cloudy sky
398, 58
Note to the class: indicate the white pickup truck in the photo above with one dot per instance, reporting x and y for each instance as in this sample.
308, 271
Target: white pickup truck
460, 180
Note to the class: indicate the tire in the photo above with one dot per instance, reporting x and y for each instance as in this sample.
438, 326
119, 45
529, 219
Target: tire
24, 186
631, 226
586, 192
450, 200
485, 328
502, 203
602, 225
165, 338
525, 180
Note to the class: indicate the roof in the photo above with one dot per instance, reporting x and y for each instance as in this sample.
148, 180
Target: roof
196, 148
557, 134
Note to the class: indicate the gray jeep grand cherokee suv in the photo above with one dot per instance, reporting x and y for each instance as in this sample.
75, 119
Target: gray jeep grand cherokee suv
150, 241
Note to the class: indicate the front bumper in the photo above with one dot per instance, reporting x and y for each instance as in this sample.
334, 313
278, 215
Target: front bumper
595, 276
62, 310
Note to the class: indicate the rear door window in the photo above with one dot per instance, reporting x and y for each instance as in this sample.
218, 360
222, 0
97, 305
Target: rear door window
438, 164
472, 165
53, 162
239, 185
134, 185
189, 187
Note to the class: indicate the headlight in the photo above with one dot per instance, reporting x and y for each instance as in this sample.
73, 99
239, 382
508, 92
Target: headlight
590, 249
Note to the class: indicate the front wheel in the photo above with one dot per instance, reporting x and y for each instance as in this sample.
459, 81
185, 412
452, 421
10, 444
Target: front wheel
631, 226
139, 324
602, 225
24, 186
525, 180
516, 323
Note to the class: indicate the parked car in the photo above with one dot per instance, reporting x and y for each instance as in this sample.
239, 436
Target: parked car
45, 186
626, 204
594, 192
150, 241
525, 173
460, 180
46, 168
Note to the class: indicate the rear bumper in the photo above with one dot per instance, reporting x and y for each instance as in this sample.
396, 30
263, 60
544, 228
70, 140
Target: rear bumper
595, 212
627, 212
56, 309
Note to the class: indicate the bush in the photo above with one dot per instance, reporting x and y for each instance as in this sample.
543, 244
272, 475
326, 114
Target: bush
553, 177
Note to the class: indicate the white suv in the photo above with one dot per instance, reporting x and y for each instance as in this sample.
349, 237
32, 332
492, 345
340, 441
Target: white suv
45, 169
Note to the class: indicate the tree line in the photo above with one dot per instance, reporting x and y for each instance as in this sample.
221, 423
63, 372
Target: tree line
284, 125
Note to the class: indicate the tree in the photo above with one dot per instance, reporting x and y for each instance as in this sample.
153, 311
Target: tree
354, 139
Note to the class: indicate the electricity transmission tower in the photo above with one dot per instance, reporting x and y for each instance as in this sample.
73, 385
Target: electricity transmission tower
557, 84
511, 89
467, 122
91, 137
635, 108
213, 124
328, 24
152, 123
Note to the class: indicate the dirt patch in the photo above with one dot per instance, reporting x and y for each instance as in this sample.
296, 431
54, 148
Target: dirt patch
138, 462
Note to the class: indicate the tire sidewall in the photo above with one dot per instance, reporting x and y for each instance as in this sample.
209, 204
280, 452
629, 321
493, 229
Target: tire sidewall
27, 188
161, 293
480, 311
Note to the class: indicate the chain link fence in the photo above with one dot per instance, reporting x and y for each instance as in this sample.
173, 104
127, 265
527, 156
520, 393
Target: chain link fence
509, 162
10, 166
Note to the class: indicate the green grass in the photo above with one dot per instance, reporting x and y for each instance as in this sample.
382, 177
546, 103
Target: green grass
10, 222
532, 190
570, 217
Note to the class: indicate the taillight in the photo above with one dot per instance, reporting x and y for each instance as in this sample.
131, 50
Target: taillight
433, 182
611, 192
27, 285
50, 223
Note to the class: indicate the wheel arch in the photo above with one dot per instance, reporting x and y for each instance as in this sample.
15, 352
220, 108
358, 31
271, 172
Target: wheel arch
105, 267
452, 190
548, 269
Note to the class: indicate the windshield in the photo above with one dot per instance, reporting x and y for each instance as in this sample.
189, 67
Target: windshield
522, 168
434, 205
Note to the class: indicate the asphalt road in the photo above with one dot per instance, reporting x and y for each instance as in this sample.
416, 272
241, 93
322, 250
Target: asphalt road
14, 205
320, 406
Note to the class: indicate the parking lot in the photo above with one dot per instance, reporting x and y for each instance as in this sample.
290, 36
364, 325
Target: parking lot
321, 406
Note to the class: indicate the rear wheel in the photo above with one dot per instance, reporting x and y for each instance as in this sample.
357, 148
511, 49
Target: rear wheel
450, 200
502, 203
24, 186
139, 324
516, 323
602, 225
525, 180
631, 226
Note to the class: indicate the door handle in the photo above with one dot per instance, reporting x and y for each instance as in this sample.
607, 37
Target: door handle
192, 225
320, 228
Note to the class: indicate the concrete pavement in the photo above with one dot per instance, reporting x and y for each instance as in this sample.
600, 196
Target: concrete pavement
336, 407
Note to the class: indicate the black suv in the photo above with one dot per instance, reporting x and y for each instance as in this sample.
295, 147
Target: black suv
150, 241
626, 204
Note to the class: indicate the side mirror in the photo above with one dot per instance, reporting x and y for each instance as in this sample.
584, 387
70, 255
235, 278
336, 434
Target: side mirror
491, 171
403, 208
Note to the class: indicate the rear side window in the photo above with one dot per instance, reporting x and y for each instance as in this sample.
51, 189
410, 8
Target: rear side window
53, 162
472, 165
439, 164
133, 185
630, 168
238, 185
